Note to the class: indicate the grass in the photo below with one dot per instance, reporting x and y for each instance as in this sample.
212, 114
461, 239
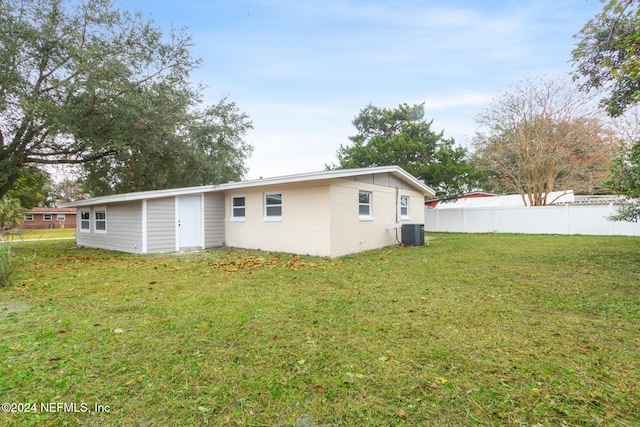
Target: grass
469, 330
52, 233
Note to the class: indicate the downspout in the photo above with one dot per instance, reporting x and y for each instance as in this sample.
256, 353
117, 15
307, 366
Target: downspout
397, 208
145, 233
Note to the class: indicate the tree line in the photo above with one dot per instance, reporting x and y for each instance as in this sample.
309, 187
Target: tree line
90, 85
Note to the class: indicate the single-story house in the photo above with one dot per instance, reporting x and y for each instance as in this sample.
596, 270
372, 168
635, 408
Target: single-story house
328, 213
49, 218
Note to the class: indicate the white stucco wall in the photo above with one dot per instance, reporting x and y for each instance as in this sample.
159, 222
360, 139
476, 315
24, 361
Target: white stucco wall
303, 229
350, 234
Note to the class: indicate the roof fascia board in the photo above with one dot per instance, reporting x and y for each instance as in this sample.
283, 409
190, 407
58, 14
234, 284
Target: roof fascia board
142, 195
310, 176
340, 173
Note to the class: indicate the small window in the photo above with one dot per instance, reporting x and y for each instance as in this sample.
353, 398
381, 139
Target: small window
85, 220
61, 217
273, 205
28, 217
364, 205
101, 220
404, 207
238, 208
46, 217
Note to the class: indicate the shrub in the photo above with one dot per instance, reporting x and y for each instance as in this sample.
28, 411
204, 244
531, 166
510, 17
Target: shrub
10, 262
11, 214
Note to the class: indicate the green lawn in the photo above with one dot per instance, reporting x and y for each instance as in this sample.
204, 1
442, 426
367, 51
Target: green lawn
46, 233
469, 330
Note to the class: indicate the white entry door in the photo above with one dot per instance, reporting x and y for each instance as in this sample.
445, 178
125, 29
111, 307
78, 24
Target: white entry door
189, 222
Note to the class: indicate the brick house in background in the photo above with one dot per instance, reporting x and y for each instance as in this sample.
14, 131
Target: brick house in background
49, 218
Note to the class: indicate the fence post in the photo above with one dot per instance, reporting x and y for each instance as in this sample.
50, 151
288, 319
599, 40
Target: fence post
464, 220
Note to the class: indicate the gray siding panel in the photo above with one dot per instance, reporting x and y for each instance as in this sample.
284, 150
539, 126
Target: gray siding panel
161, 225
214, 220
383, 179
124, 228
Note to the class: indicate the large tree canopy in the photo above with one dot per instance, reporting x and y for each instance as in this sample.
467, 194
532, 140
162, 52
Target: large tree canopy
625, 179
32, 188
606, 56
607, 59
402, 137
83, 82
207, 147
624, 171
540, 137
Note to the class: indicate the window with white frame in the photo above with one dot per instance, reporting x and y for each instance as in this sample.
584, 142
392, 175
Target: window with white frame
85, 220
61, 217
238, 208
100, 220
364, 205
46, 217
273, 206
404, 207
28, 217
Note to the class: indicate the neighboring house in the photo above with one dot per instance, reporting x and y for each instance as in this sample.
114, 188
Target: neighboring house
432, 203
329, 213
49, 218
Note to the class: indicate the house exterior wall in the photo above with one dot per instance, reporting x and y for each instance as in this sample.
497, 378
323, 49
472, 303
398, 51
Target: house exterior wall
303, 229
350, 234
316, 214
214, 220
123, 228
161, 225
39, 221
126, 232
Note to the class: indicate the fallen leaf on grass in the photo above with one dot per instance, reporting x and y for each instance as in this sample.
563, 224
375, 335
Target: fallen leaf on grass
134, 380
402, 414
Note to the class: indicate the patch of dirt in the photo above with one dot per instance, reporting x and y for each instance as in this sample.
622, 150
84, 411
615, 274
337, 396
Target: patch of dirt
9, 308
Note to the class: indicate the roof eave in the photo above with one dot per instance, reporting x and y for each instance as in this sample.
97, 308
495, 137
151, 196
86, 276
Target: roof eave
142, 195
310, 176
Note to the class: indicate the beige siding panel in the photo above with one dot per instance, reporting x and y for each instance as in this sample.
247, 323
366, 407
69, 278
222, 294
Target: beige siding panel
214, 220
350, 234
161, 225
124, 228
305, 224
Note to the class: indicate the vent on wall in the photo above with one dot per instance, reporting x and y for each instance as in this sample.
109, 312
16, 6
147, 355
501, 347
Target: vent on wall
413, 234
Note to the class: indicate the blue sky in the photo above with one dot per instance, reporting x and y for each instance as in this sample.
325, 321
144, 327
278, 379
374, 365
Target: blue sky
302, 70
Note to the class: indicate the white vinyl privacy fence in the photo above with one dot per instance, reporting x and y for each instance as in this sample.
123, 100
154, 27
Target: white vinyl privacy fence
568, 219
